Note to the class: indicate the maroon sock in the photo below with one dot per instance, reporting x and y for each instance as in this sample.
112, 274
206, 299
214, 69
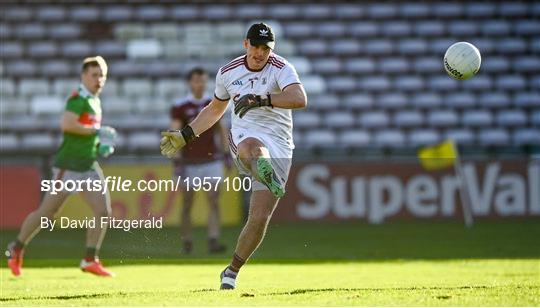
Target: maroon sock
91, 254
18, 246
236, 263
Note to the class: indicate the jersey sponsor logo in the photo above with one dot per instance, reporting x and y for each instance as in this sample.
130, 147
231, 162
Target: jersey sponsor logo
238, 83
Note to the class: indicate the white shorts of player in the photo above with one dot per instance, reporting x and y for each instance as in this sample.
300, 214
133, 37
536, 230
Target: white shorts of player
281, 154
76, 176
212, 171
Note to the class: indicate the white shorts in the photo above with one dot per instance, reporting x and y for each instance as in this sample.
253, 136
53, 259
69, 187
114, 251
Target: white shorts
212, 171
280, 153
76, 176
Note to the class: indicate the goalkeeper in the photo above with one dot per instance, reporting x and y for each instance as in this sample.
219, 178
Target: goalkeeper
264, 88
84, 140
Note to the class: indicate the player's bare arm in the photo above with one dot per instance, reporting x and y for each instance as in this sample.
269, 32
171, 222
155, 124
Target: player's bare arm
292, 97
172, 141
70, 124
209, 116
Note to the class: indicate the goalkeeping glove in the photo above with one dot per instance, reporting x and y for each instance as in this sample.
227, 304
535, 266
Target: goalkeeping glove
250, 101
174, 140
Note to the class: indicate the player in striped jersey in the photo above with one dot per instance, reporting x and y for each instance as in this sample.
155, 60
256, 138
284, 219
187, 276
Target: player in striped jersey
264, 88
76, 160
201, 159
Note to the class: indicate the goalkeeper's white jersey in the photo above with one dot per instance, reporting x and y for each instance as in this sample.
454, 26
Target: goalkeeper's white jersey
235, 80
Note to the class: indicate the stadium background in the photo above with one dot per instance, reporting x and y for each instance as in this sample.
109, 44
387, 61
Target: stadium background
377, 91
373, 73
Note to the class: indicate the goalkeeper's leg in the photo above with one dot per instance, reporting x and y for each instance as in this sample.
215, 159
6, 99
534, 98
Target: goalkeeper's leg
256, 158
261, 207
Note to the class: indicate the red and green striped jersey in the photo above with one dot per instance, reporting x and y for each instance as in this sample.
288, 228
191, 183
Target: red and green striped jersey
79, 152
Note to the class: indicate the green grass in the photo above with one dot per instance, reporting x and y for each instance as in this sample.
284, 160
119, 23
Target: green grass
396, 264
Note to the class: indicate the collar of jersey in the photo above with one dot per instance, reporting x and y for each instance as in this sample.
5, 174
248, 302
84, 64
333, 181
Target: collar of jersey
251, 70
83, 91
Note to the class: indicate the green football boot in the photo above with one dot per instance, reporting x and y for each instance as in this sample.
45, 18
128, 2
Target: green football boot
268, 177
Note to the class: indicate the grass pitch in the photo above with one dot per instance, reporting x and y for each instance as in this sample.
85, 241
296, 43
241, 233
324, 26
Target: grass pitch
397, 264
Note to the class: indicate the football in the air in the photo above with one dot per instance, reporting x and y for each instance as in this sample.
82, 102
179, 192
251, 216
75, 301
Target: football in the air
462, 60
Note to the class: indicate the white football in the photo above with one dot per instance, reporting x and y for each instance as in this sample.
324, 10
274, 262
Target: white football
462, 60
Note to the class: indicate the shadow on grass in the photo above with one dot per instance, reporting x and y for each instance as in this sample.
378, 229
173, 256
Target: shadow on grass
304, 291
63, 297
285, 293
332, 290
301, 243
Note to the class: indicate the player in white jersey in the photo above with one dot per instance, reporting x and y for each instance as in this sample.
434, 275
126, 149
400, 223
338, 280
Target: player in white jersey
264, 88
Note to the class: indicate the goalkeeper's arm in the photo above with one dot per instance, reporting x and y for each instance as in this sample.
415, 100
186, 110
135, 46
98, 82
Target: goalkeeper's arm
292, 97
208, 116
172, 141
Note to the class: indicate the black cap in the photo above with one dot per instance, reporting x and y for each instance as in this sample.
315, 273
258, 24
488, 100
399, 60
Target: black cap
261, 34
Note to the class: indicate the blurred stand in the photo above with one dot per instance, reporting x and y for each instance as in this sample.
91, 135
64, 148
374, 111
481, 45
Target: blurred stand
373, 72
